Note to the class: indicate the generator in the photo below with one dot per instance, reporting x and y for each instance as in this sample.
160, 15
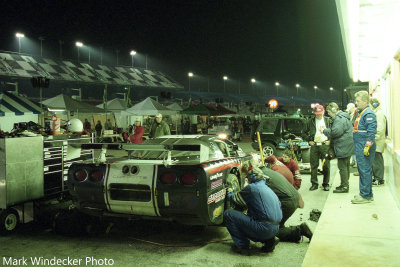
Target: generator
34, 169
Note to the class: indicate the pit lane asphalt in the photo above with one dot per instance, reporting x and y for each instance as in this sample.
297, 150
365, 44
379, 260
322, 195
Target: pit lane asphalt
121, 244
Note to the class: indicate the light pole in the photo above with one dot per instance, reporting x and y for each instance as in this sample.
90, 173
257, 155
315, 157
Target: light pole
117, 51
19, 36
225, 78
297, 92
315, 91
78, 45
190, 75
88, 47
41, 39
331, 89
252, 80
276, 84
132, 53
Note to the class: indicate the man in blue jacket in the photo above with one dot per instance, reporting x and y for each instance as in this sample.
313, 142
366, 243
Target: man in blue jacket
264, 214
364, 146
341, 135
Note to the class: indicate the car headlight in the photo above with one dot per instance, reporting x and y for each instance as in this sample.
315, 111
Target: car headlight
222, 136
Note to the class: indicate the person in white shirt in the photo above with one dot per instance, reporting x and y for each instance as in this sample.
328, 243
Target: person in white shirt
319, 147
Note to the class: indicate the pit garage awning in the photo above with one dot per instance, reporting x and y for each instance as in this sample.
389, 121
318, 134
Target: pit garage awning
17, 105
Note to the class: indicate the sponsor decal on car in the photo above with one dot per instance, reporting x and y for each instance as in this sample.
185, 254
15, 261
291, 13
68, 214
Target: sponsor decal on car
216, 184
215, 176
216, 197
217, 212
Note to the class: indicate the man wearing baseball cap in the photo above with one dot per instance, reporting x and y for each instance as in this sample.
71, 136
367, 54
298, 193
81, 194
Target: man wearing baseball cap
319, 146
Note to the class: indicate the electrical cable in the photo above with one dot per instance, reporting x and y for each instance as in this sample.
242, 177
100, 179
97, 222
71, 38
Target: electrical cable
181, 245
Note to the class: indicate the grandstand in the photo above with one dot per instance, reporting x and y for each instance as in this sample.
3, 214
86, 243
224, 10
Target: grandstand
16, 65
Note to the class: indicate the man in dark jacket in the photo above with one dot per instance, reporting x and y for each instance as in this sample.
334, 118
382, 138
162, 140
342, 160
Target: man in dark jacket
341, 135
319, 146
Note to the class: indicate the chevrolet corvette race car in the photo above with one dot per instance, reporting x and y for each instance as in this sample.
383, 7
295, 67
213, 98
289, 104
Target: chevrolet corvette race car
177, 178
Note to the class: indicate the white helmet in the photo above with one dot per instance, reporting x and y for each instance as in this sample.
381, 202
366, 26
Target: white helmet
75, 126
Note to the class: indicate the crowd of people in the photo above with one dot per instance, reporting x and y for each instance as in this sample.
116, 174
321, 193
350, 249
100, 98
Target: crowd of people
271, 195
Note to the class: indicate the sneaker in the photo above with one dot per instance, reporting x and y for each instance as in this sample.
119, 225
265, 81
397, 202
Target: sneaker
361, 200
242, 251
306, 231
314, 187
269, 245
378, 183
341, 190
338, 187
326, 187
356, 174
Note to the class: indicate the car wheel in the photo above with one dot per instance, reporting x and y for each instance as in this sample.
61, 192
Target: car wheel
268, 149
231, 182
9, 220
305, 156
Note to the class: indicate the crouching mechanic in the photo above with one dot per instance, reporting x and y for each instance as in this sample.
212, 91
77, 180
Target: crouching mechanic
263, 215
290, 200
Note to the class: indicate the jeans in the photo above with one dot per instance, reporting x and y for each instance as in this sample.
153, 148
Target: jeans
344, 170
364, 166
242, 228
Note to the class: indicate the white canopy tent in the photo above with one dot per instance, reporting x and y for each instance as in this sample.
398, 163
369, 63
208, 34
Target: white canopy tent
148, 107
14, 109
116, 106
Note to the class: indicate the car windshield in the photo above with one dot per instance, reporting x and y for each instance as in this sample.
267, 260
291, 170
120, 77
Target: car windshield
268, 125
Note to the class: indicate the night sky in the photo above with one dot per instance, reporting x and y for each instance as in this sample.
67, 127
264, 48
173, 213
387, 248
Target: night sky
288, 41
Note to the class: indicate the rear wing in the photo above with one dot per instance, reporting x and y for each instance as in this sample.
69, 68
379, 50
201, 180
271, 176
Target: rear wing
203, 150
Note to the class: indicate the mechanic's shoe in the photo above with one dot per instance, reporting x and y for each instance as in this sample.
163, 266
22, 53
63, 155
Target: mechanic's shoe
306, 231
356, 174
326, 187
361, 200
338, 187
269, 245
314, 187
341, 190
242, 251
378, 182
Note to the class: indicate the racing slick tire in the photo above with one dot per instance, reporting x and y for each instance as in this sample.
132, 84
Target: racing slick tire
69, 223
9, 220
268, 149
231, 182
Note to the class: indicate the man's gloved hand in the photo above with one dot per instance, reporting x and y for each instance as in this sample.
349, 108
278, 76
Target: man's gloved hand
366, 148
229, 189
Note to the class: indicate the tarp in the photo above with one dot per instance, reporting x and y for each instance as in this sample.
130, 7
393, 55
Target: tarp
149, 107
199, 109
67, 103
115, 105
17, 105
221, 109
175, 106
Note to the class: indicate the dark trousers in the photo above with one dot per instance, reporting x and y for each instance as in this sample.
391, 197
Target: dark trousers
317, 153
242, 228
344, 171
378, 168
291, 233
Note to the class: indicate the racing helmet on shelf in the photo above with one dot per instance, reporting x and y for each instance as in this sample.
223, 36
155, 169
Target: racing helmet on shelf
75, 125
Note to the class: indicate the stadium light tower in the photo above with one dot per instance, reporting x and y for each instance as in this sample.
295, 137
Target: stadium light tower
331, 89
19, 36
252, 80
41, 39
277, 84
78, 45
225, 78
190, 75
132, 53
